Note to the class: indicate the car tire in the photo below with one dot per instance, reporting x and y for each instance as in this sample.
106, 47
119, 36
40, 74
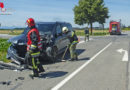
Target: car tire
53, 57
52, 54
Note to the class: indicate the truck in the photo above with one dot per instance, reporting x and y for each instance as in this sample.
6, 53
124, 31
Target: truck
115, 28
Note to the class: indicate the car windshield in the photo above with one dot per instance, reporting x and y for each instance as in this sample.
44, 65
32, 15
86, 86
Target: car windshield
42, 28
45, 28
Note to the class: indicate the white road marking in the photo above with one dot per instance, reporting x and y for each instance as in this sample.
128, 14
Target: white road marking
125, 57
81, 42
84, 41
79, 69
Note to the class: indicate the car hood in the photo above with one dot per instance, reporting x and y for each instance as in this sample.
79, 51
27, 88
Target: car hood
18, 40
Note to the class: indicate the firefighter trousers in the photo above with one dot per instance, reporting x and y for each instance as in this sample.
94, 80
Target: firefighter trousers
35, 63
86, 36
73, 53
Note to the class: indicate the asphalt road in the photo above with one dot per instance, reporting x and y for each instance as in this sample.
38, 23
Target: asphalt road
103, 65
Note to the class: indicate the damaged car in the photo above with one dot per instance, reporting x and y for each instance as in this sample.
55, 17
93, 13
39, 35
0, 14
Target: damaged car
54, 42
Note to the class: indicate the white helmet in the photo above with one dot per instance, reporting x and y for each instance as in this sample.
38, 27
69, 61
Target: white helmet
64, 29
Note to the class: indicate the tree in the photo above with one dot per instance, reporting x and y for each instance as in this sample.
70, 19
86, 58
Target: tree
90, 11
103, 14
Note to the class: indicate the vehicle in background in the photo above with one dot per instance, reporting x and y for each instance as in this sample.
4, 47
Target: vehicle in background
115, 28
53, 41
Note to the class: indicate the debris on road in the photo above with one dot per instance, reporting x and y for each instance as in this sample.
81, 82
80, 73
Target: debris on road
10, 66
19, 78
5, 83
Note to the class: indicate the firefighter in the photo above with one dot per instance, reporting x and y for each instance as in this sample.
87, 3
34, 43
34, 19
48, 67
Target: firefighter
73, 42
33, 48
86, 31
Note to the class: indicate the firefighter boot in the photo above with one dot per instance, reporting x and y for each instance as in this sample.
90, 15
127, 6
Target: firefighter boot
41, 69
35, 73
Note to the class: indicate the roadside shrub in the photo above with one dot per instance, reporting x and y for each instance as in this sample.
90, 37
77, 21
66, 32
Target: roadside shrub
4, 45
3, 49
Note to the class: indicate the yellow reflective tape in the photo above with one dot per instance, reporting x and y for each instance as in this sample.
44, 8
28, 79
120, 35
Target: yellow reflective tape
35, 53
74, 42
33, 46
33, 62
72, 33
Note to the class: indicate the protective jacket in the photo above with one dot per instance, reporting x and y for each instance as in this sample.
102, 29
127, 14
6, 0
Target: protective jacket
73, 39
34, 38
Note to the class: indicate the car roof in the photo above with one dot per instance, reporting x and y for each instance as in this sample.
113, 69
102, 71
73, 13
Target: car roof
50, 22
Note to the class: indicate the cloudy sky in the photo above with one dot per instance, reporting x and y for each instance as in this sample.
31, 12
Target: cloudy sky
58, 10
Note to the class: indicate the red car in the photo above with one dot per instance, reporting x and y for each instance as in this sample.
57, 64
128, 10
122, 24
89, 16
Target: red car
115, 28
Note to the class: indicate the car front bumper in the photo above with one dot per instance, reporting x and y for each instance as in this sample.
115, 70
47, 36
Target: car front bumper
12, 54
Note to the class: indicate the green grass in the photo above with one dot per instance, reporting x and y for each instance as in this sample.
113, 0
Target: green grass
95, 32
3, 50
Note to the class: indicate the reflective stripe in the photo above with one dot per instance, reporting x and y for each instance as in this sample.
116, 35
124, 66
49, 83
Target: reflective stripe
33, 63
74, 42
72, 33
35, 53
34, 46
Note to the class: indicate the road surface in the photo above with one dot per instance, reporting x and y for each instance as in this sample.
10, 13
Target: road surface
103, 65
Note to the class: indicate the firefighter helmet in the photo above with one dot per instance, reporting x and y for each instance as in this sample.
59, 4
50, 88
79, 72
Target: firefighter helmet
64, 29
30, 22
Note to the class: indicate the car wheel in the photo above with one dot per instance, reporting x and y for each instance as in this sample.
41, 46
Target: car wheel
54, 55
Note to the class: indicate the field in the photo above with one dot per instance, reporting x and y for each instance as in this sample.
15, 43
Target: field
98, 32
95, 32
78, 32
11, 32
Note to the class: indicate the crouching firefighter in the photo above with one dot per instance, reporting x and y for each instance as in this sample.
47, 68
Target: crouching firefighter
33, 48
73, 42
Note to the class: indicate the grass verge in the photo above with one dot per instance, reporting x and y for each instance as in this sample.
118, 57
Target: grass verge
3, 50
